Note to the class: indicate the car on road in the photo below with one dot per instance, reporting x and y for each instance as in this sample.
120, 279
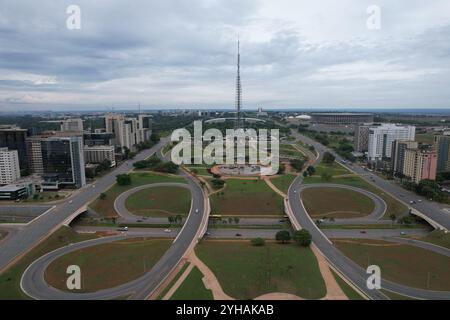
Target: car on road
412, 202
363, 231
238, 235
167, 231
196, 211
123, 229
402, 233
419, 200
70, 201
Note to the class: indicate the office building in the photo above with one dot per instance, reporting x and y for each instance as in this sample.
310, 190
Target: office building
442, 146
74, 124
125, 131
9, 166
361, 138
63, 162
17, 191
420, 165
399, 148
34, 152
13, 138
382, 137
98, 154
145, 127
98, 139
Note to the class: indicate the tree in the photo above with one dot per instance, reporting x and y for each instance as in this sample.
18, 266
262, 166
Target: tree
305, 174
155, 137
283, 236
236, 220
102, 196
311, 170
303, 238
297, 164
328, 158
217, 183
123, 179
178, 219
282, 168
171, 219
258, 242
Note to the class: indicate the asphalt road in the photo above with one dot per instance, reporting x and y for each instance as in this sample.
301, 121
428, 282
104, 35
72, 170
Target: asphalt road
34, 285
350, 269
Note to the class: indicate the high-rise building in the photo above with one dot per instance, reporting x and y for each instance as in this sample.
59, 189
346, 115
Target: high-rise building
125, 131
362, 138
399, 148
98, 139
72, 124
63, 161
9, 166
13, 138
34, 152
442, 145
98, 154
145, 127
420, 165
382, 137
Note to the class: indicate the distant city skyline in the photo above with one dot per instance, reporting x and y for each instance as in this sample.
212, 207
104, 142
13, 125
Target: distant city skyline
182, 55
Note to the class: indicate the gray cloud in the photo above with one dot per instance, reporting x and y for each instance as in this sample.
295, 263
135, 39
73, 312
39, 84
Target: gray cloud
182, 54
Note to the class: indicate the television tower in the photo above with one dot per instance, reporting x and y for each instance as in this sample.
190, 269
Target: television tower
239, 120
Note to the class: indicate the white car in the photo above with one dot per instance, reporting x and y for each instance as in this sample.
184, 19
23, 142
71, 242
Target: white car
196, 210
167, 231
123, 229
70, 201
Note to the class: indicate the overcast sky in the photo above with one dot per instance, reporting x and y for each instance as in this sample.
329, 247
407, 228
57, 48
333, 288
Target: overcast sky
182, 53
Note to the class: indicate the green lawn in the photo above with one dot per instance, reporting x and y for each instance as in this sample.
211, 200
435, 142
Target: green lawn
105, 208
335, 169
427, 138
193, 288
10, 280
348, 290
393, 205
108, 265
48, 196
439, 238
283, 182
160, 202
336, 203
247, 198
404, 264
246, 272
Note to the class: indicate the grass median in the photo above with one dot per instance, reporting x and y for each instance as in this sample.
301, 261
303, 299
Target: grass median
108, 265
336, 203
404, 264
246, 272
160, 202
247, 198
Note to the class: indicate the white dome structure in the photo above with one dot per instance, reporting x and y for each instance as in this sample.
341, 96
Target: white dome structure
303, 117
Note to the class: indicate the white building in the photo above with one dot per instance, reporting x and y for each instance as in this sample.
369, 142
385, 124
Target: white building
124, 129
74, 124
382, 137
98, 154
9, 166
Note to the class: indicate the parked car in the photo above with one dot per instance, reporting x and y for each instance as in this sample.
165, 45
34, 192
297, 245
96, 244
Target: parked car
123, 229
